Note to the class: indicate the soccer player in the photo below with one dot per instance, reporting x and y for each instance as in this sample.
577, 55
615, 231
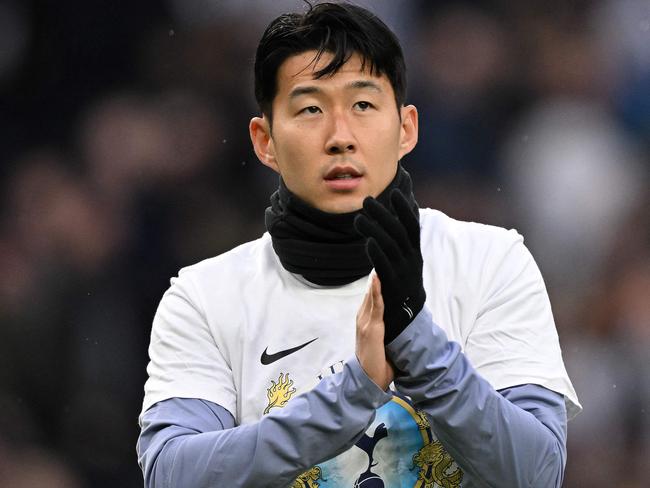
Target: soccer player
361, 341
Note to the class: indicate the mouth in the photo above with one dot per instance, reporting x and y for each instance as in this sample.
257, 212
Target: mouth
343, 173
343, 178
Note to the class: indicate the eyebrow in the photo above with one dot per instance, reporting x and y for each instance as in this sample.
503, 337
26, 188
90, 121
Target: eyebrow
354, 85
362, 84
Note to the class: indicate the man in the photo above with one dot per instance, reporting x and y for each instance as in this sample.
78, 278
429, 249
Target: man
272, 364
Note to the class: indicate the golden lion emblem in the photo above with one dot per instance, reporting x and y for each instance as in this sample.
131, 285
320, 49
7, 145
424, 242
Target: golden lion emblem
422, 420
434, 463
309, 479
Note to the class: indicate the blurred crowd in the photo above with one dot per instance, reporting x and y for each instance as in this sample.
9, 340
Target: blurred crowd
124, 156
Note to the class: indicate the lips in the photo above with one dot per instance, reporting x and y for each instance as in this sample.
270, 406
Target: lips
343, 178
342, 173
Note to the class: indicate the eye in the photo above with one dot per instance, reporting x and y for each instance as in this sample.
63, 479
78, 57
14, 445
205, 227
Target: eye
363, 105
312, 109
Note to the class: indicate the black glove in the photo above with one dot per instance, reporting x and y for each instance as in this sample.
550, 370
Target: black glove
393, 246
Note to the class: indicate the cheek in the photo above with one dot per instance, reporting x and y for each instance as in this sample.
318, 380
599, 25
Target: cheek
300, 144
385, 143
294, 156
291, 140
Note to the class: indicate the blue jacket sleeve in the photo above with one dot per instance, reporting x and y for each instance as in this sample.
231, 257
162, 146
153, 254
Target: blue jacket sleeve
512, 438
515, 439
194, 443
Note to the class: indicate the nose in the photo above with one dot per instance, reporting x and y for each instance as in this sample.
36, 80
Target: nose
341, 139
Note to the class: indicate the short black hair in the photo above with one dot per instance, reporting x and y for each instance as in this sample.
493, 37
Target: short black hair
341, 29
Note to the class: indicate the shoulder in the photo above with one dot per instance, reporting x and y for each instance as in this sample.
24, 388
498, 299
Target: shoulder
461, 238
240, 263
472, 259
226, 275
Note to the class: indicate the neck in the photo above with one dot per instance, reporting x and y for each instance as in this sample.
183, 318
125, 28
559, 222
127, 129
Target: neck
323, 247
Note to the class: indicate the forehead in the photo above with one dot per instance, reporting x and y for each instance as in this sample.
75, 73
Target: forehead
299, 70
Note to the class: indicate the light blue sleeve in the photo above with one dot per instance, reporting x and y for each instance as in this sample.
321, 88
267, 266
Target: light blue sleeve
513, 438
194, 443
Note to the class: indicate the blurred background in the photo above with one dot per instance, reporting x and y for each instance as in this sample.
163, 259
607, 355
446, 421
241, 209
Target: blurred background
124, 155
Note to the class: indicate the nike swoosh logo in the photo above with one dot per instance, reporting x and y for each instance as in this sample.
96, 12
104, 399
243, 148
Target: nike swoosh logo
267, 359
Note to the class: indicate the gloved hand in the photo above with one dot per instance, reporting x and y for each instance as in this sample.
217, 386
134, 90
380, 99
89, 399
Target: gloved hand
393, 246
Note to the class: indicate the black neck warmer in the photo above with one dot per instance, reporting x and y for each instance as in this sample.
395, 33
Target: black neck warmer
323, 247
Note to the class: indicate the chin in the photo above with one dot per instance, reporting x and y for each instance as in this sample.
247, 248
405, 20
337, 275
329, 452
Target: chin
342, 205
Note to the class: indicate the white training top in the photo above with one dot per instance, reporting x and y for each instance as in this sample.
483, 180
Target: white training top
222, 316
483, 288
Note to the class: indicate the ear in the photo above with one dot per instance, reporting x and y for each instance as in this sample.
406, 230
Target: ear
260, 132
409, 130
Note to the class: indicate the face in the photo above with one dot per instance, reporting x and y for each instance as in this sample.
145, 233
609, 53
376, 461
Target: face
337, 139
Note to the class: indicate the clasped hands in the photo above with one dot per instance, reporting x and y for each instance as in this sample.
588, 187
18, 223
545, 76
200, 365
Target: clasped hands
396, 294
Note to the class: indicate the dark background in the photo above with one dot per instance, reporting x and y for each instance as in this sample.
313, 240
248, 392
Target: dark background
124, 155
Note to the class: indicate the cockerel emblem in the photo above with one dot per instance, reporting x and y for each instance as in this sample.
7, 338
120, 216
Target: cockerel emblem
279, 393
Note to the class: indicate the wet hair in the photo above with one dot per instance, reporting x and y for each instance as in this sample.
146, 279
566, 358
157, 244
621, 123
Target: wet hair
340, 29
